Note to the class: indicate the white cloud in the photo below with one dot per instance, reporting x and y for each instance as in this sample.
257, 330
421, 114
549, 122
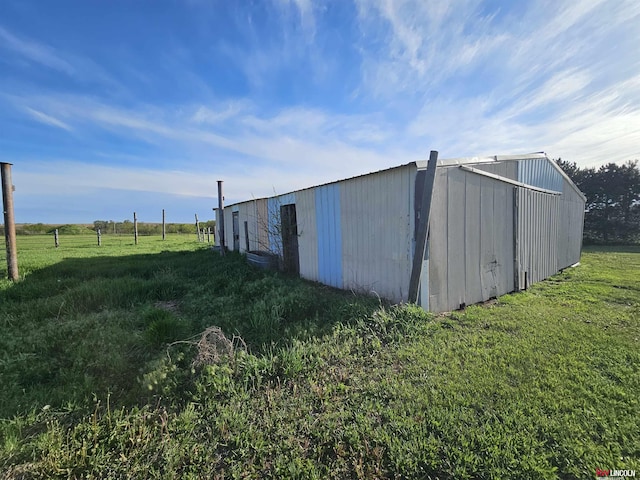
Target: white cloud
61, 176
35, 52
552, 76
47, 119
305, 11
423, 43
294, 148
218, 114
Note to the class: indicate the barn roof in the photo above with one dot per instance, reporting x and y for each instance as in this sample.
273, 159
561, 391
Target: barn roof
450, 162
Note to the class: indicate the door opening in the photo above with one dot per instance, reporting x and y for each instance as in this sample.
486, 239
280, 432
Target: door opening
236, 231
288, 222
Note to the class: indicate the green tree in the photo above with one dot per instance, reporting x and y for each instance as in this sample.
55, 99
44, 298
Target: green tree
103, 225
612, 211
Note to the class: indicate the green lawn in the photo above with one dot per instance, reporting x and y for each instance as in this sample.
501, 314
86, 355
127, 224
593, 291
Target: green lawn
98, 382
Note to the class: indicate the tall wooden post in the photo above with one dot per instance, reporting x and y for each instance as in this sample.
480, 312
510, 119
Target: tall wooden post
135, 228
197, 227
9, 222
422, 232
99, 238
208, 234
164, 226
220, 217
56, 238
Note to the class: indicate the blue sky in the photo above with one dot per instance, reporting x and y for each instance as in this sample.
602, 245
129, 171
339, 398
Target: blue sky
110, 107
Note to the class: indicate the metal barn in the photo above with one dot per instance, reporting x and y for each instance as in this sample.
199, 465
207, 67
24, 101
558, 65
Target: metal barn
442, 233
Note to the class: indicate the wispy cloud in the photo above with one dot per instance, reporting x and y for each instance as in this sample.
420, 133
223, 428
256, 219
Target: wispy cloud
290, 149
47, 119
83, 71
304, 9
422, 43
34, 52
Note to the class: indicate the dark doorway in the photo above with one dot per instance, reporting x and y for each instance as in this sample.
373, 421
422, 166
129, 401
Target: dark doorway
236, 231
246, 236
291, 261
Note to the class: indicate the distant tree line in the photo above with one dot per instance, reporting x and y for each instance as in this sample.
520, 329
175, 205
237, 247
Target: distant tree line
612, 211
107, 227
126, 227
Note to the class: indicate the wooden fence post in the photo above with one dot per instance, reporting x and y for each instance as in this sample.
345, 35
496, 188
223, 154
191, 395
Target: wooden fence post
9, 222
135, 228
164, 226
208, 234
99, 238
197, 227
56, 239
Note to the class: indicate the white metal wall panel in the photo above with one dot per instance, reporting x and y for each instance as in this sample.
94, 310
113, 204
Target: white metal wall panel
471, 255
496, 239
243, 216
254, 212
228, 227
307, 234
473, 288
258, 233
377, 232
438, 244
487, 243
503, 227
456, 283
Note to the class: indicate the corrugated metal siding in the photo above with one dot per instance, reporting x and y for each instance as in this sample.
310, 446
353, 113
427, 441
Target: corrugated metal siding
503, 229
274, 231
538, 227
377, 232
456, 223
438, 245
471, 256
329, 234
258, 233
570, 228
216, 230
508, 169
255, 214
307, 234
243, 216
228, 228
540, 173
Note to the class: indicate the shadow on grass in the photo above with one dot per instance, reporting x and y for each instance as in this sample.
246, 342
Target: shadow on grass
88, 326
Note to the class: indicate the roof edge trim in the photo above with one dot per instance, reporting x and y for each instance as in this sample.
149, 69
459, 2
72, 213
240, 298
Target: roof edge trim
445, 162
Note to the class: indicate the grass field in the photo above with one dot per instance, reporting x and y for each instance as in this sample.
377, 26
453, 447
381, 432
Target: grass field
98, 380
